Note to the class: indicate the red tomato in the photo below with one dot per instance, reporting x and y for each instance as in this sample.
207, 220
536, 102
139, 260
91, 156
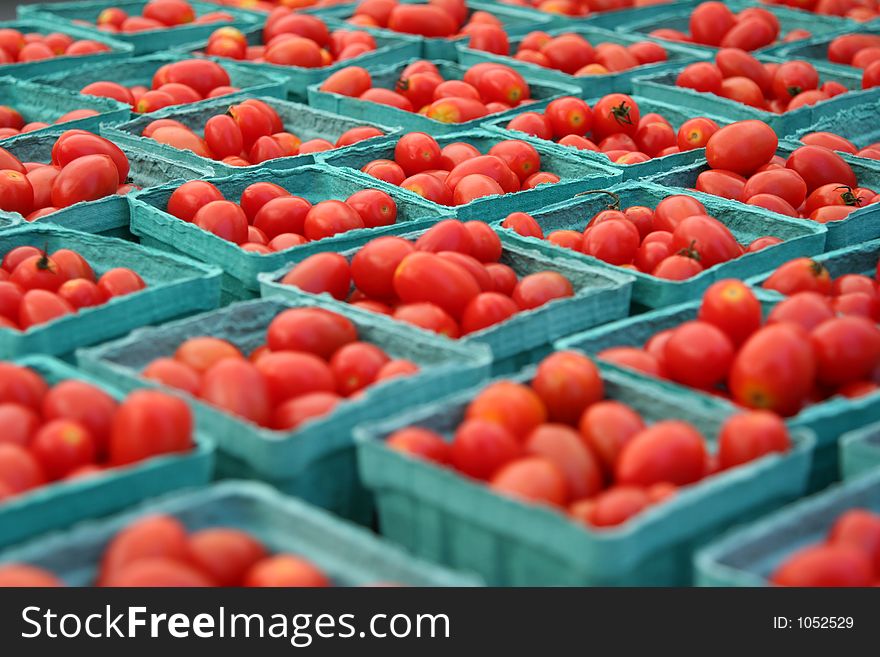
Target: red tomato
695, 133
152, 537
295, 412
190, 197
669, 451
708, 237
847, 349
322, 273
18, 424
38, 272
284, 570
775, 204
540, 288
20, 575
20, 385
237, 386
617, 505
534, 480
312, 330
741, 147
119, 282
350, 81
793, 78
16, 192
427, 277
710, 22
800, 275
634, 359
806, 309
567, 383
522, 158
566, 116
19, 470
356, 366
202, 353
485, 243
329, 218
524, 224
819, 166
704, 77
224, 219
428, 316
225, 555
375, 207
355, 135
255, 196
373, 266
825, 565
514, 406
860, 529
175, 374
480, 448
562, 445
719, 182
673, 209
749, 436
223, 136
731, 306
615, 113
606, 427
485, 310
73, 265
532, 123
416, 152
62, 446
733, 62
698, 354
84, 404
282, 214
421, 443
40, 307
75, 144
149, 423
749, 33
385, 170
397, 368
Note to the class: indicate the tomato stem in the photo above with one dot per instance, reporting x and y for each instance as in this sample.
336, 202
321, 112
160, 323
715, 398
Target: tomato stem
848, 197
620, 113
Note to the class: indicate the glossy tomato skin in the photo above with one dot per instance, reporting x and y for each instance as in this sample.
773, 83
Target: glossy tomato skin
311, 330
85, 404
561, 445
416, 152
120, 281
847, 349
825, 565
154, 536
426, 277
568, 383
480, 448
668, 451
149, 423
282, 214
373, 266
175, 374
255, 196
421, 443
75, 144
238, 387
748, 436
532, 479
329, 218
858, 528
190, 197
225, 555
515, 406
540, 288
322, 273
295, 412
673, 209
40, 307
819, 166
224, 219
202, 353
62, 446
606, 427
356, 366
698, 354
800, 275
731, 306
708, 237
742, 147
375, 207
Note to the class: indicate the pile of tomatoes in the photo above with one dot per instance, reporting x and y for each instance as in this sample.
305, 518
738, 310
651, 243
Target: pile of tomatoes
37, 287
838, 143
616, 126
84, 167
582, 7
792, 359
858, 10
771, 87
12, 123
573, 54
311, 362
74, 429
248, 133
850, 555
861, 51
813, 182
159, 551
484, 89
676, 240
156, 15
815, 296
269, 218
714, 24
18, 47
177, 83
559, 442
449, 280
291, 39
458, 173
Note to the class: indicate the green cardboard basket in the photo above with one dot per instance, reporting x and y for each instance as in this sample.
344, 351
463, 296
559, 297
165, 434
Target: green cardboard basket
801, 237
350, 556
46, 104
440, 515
304, 121
516, 20
855, 121
577, 174
26, 70
175, 287
675, 114
590, 85
815, 49
600, 296
860, 451
155, 227
110, 215
9, 220
621, 18
84, 14
828, 420
140, 70
391, 48
63, 503
316, 461
542, 92
749, 556
860, 226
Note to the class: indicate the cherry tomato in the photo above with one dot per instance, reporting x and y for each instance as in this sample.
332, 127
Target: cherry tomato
731, 306
294, 412
312, 330
426, 277
698, 354
800, 275
819, 166
149, 423
224, 219
225, 555
673, 209
421, 443
606, 427
428, 316
155, 536
806, 309
847, 349
532, 479
561, 445
174, 374
749, 436
321, 273
119, 282
742, 147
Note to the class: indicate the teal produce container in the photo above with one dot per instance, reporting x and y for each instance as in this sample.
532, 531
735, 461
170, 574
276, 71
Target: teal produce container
316, 461
856, 121
442, 516
349, 555
600, 295
155, 227
62, 503
860, 451
815, 49
747, 223
621, 18
175, 287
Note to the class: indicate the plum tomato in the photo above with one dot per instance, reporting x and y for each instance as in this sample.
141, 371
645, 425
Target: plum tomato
568, 383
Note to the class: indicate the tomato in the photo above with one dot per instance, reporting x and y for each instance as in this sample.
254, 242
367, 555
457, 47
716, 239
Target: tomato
847, 349
773, 370
485, 310
373, 266
421, 443
202, 353
566, 116
704, 77
504, 278
793, 78
634, 359
72, 264
255, 196
858, 304
749, 33
485, 243
416, 152
514, 406
321, 273
396, 368
151, 537
20, 576
853, 283
86, 405
825, 565
606, 427
733, 62
149, 423
615, 113
719, 182
19, 470
673, 209
806, 309
375, 207
522, 158
561, 445
312, 330
41, 306
428, 316
532, 479
427, 277
615, 242
731, 306
532, 123
9, 161
710, 21
617, 505
285, 570
775, 204
175, 374
20, 385
355, 135
282, 214
669, 451
860, 529
835, 194
38, 272
225, 555
819, 166
652, 138
223, 136
189, 198
524, 224
18, 424
742, 90
871, 75
329, 218
708, 237
119, 282
742, 147
41, 180
16, 192
224, 219
677, 267
480, 448
299, 410
749, 436
698, 354
567, 383
62, 446
800, 275
82, 293
75, 144
356, 366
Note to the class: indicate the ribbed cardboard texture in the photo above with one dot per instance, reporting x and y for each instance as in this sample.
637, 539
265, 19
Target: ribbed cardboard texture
47, 104
136, 71
63, 503
154, 226
676, 115
860, 226
350, 556
109, 215
856, 121
577, 174
303, 121
442, 516
662, 87
747, 223
828, 420
749, 556
541, 89
9, 220
391, 47
26, 70
68, 13
600, 296
175, 287
590, 85
317, 461
516, 20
